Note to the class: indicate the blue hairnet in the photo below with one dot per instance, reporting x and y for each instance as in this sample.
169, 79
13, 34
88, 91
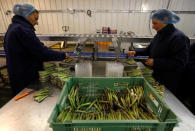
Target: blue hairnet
23, 9
165, 16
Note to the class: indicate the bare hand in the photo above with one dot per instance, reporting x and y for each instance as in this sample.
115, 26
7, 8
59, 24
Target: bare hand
67, 56
150, 62
131, 53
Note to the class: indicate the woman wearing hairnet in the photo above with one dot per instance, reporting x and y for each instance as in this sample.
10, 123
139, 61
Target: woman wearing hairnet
168, 51
25, 53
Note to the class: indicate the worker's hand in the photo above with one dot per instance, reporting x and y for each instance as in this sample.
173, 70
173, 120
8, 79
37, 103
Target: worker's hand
67, 56
131, 53
150, 62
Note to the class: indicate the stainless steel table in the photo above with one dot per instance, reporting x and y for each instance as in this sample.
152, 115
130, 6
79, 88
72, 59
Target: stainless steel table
187, 118
26, 114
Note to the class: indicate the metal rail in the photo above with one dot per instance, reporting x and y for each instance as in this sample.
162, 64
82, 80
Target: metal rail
91, 37
95, 38
73, 11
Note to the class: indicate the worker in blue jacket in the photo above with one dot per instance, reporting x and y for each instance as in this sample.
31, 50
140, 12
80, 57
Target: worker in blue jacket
168, 51
25, 53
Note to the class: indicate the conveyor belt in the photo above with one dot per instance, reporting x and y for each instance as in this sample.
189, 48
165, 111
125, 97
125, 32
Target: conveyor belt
104, 54
2, 53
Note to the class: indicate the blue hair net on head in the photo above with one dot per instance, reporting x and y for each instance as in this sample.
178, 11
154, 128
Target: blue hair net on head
165, 16
23, 9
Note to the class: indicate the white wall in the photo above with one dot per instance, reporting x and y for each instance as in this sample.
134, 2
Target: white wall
51, 23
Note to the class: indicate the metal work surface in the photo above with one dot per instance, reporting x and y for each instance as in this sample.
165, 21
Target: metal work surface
50, 43
92, 37
187, 118
28, 115
46, 43
95, 37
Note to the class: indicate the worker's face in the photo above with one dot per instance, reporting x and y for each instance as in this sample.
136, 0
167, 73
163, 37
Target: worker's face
33, 18
157, 25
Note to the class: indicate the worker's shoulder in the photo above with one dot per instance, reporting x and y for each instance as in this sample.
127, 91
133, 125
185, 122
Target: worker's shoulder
18, 28
178, 33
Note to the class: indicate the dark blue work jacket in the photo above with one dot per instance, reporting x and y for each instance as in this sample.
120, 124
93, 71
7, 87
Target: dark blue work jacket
188, 78
170, 51
25, 53
191, 63
189, 75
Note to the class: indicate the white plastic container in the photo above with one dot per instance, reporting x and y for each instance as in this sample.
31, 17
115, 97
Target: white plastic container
83, 69
114, 69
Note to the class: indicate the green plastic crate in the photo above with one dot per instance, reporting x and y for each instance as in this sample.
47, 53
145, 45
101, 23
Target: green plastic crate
167, 118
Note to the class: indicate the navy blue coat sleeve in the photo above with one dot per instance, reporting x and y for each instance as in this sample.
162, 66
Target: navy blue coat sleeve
177, 59
36, 48
144, 51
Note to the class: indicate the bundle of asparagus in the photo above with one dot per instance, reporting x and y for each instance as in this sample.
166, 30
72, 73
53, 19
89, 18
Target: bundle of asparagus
134, 73
130, 61
146, 71
42, 94
59, 78
44, 76
67, 60
4, 75
157, 86
49, 67
127, 104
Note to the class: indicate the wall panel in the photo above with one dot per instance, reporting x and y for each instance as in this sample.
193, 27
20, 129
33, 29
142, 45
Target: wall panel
79, 23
